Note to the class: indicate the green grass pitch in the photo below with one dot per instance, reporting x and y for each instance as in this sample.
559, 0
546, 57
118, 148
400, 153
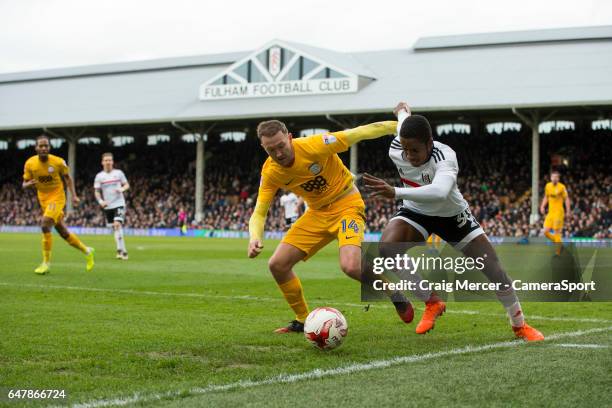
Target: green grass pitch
188, 323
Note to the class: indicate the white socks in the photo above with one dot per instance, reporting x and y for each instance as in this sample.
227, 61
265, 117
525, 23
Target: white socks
119, 239
512, 305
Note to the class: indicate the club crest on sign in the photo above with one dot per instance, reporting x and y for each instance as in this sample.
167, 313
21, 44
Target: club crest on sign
274, 61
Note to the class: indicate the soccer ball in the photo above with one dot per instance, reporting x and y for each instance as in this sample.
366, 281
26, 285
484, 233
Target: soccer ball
325, 328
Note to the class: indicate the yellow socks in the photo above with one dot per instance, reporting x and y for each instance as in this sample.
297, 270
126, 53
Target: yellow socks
557, 239
294, 295
46, 247
74, 241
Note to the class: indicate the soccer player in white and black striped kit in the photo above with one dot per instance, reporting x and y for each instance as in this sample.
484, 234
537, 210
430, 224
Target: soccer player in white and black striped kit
109, 186
433, 204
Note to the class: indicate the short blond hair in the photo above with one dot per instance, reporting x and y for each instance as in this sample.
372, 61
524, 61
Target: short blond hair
107, 154
269, 128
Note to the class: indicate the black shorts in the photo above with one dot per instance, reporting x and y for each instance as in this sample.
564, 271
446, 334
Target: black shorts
115, 214
457, 230
290, 220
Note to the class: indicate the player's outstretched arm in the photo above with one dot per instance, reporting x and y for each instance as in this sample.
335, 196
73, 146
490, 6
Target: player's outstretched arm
366, 132
377, 129
337, 142
437, 190
256, 228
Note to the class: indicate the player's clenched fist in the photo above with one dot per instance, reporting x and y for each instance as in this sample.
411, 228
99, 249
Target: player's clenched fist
401, 106
255, 248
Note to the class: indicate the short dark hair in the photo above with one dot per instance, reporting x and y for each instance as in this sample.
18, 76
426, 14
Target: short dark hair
270, 128
555, 171
43, 136
416, 127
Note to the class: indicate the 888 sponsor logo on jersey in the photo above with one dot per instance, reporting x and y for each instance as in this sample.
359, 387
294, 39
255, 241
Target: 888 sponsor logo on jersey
318, 183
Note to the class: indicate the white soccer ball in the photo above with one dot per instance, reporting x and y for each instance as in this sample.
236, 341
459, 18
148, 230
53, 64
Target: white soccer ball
325, 328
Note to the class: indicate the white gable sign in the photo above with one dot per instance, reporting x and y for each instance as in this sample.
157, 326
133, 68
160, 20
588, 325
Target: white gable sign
278, 70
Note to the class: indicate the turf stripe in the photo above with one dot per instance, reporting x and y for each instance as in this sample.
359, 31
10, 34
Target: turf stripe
316, 374
279, 299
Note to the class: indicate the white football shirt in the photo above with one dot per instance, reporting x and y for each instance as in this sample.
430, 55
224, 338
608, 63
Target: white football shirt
290, 204
110, 183
443, 160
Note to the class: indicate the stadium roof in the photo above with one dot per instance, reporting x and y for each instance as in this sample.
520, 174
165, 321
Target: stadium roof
543, 68
516, 37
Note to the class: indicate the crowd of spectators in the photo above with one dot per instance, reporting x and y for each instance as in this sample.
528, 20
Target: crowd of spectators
495, 178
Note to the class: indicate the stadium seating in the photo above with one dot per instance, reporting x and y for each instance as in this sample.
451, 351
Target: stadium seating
493, 178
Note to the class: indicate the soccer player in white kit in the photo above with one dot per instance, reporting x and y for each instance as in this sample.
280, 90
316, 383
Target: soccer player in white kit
433, 204
289, 202
109, 186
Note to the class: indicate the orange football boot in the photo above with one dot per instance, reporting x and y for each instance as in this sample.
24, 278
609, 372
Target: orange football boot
527, 333
432, 311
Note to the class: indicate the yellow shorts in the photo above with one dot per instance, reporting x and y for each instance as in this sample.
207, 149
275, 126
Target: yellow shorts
343, 220
53, 206
554, 222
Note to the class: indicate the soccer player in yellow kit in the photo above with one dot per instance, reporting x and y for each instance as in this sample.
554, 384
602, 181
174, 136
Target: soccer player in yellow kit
310, 167
555, 195
48, 173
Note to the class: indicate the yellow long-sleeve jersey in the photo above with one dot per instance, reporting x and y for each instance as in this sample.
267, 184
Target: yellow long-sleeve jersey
317, 173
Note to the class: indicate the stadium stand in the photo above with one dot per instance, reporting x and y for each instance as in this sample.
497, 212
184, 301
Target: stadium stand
493, 177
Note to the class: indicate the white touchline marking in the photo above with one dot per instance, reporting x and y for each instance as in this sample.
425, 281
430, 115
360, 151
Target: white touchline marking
138, 292
279, 299
318, 373
536, 317
588, 346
